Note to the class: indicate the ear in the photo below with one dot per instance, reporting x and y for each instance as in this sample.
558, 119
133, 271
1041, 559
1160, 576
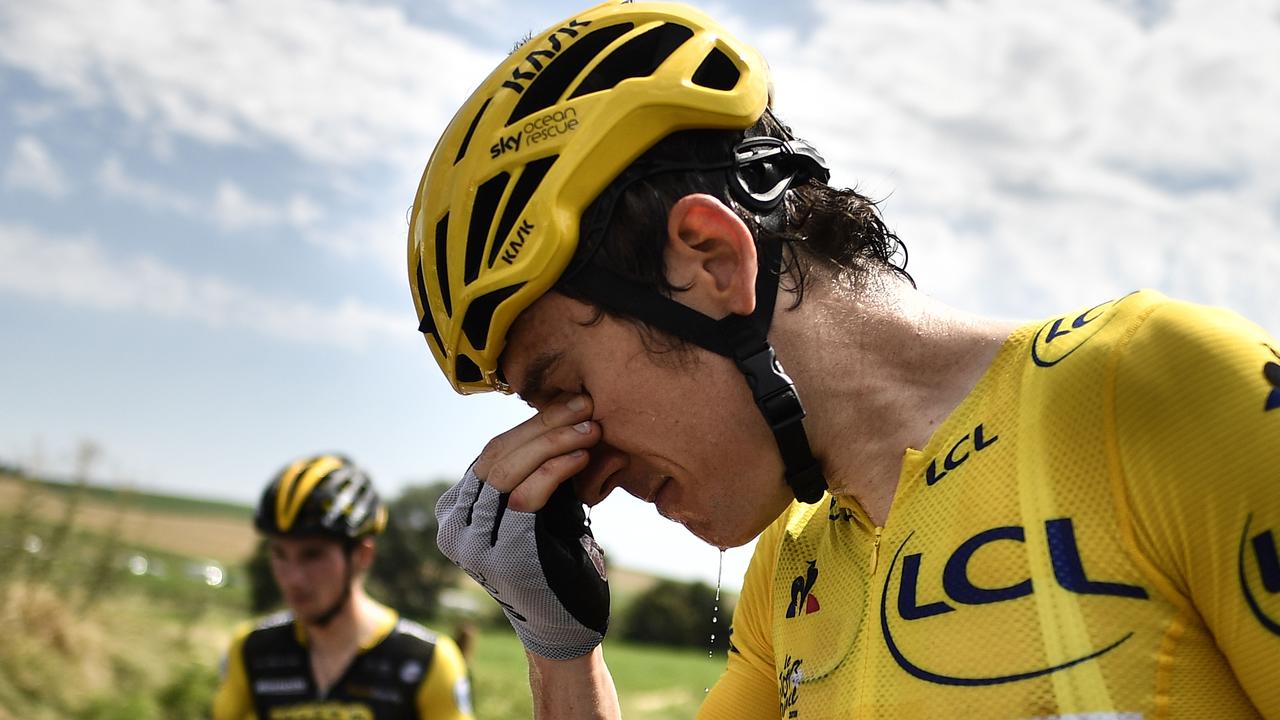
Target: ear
362, 555
711, 256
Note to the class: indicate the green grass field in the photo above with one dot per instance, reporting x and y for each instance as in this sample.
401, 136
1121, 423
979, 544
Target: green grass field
148, 502
653, 683
86, 639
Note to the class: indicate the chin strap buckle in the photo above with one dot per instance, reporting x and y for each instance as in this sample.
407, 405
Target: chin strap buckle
775, 395
774, 392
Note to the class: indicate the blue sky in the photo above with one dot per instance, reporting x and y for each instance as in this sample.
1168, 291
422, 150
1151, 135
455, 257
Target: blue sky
203, 202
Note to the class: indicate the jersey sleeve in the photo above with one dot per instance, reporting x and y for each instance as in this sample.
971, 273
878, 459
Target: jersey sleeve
747, 689
445, 694
1197, 440
232, 701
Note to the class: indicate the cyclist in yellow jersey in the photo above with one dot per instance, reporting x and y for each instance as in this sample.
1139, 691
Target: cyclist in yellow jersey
336, 654
1073, 518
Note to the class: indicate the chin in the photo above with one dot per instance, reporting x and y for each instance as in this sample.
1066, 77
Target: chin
721, 537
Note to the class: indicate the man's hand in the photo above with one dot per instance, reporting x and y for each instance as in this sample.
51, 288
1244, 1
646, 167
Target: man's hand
514, 525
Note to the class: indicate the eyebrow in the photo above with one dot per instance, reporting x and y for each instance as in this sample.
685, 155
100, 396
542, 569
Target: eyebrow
533, 383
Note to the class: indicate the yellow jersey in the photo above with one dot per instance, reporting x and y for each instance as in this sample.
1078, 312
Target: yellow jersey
1091, 534
405, 672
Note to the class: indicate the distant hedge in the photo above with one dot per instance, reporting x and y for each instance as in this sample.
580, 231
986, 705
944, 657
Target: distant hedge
678, 614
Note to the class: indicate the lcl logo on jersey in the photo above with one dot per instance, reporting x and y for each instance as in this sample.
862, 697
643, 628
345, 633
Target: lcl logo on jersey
1260, 551
1068, 570
975, 442
803, 601
1061, 337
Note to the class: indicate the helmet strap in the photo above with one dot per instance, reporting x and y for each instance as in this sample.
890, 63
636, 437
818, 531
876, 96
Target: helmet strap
760, 172
740, 338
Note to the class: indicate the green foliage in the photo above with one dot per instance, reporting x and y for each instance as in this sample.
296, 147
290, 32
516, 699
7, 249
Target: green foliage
130, 706
190, 694
408, 570
264, 595
678, 614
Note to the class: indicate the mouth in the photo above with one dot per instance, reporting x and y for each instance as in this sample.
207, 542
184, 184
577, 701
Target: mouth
660, 496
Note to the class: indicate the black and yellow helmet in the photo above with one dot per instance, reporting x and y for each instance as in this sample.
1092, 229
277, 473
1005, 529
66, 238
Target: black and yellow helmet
325, 495
496, 218
498, 215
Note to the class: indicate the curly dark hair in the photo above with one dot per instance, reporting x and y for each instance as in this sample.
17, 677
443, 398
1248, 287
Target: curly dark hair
837, 229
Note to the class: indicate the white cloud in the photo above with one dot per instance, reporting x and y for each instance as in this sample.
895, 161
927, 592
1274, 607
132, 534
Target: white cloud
32, 168
234, 210
337, 82
380, 236
1037, 156
78, 272
230, 208
116, 181
29, 114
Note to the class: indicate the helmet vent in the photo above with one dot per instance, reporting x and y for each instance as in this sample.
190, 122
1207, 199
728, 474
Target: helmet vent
480, 314
717, 72
551, 83
442, 264
466, 140
427, 325
527, 183
638, 57
486, 206
467, 371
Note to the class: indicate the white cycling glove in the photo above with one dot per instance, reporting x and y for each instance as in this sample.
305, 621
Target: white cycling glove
544, 568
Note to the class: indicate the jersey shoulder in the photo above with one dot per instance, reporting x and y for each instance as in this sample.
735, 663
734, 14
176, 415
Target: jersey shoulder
1092, 331
273, 632
410, 639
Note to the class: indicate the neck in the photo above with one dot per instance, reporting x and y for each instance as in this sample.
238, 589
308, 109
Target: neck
878, 368
351, 628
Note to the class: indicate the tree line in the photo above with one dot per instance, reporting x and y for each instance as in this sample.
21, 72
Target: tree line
410, 574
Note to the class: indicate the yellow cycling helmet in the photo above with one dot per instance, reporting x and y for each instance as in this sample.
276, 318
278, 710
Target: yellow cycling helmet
496, 217
325, 495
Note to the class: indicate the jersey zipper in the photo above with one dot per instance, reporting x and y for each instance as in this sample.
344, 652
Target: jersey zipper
867, 623
875, 551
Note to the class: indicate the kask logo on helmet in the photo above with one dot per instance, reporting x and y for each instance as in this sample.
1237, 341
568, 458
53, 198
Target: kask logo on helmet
547, 52
513, 250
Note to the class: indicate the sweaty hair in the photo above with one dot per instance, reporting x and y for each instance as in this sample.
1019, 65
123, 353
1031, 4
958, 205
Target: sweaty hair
836, 229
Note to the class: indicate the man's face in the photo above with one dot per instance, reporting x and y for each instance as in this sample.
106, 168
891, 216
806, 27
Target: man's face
680, 429
311, 573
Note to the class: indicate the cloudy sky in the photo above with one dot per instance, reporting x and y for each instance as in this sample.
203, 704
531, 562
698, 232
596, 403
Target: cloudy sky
203, 203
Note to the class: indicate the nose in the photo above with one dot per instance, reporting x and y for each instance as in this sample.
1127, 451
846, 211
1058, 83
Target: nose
288, 574
595, 482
